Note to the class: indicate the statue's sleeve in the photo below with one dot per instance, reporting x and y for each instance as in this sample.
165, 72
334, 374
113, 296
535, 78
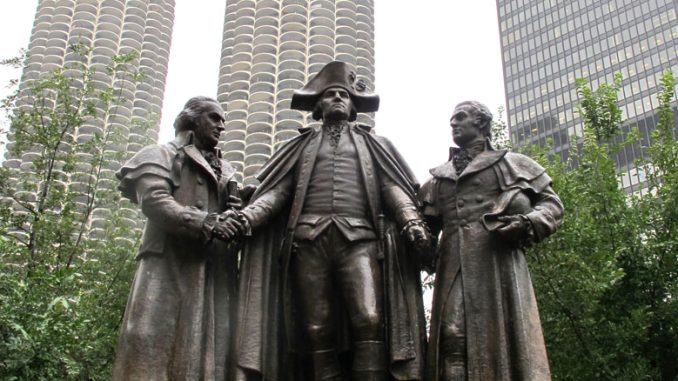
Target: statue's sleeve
267, 205
521, 172
149, 179
154, 194
403, 207
546, 214
151, 160
427, 198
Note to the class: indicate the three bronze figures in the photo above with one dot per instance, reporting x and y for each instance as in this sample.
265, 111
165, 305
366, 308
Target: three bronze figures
315, 274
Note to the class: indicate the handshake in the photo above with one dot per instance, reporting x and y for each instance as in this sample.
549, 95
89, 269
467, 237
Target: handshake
231, 224
417, 234
228, 226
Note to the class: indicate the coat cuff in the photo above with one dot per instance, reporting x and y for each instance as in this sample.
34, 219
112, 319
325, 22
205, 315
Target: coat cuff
406, 215
208, 225
529, 238
192, 222
403, 207
250, 215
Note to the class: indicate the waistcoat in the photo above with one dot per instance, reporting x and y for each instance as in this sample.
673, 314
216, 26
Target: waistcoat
336, 186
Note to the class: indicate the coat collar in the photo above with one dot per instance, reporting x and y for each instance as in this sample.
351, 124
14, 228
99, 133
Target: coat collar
184, 141
484, 160
445, 171
194, 154
318, 129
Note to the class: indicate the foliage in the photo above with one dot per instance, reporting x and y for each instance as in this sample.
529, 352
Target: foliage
500, 137
599, 110
66, 237
606, 281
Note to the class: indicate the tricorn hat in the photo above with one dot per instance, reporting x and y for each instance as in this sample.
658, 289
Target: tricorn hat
335, 74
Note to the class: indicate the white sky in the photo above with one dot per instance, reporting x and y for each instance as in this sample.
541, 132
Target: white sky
429, 57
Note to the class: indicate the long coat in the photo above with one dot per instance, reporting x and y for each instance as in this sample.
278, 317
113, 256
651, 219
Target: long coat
265, 343
504, 337
179, 316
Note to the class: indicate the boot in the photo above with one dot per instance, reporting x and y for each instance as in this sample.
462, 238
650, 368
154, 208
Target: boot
326, 365
369, 361
368, 376
453, 358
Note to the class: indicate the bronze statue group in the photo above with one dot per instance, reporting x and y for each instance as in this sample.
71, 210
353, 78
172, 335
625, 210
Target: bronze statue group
315, 273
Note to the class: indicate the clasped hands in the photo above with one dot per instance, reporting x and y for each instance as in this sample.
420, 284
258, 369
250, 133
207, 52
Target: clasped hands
230, 225
416, 232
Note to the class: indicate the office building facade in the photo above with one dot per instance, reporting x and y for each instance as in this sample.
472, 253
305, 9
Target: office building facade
273, 47
547, 44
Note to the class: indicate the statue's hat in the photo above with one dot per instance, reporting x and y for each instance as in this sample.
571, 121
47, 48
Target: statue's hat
335, 74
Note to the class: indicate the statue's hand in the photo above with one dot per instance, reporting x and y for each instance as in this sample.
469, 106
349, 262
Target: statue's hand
516, 228
246, 192
226, 230
234, 202
228, 226
418, 234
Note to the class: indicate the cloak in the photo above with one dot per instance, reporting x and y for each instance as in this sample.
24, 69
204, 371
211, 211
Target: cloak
265, 342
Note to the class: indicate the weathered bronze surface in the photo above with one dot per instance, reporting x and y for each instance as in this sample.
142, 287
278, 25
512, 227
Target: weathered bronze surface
328, 290
180, 314
489, 204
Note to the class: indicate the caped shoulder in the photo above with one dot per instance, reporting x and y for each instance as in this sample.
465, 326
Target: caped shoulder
523, 163
518, 170
368, 131
155, 160
288, 151
160, 155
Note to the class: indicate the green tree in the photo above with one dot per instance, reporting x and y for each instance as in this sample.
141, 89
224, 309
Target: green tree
606, 281
67, 239
500, 137
650, 284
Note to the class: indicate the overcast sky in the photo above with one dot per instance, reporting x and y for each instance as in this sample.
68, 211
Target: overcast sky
429, 57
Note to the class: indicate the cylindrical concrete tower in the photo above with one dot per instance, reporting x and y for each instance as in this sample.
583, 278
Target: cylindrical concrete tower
270, 49
110, 28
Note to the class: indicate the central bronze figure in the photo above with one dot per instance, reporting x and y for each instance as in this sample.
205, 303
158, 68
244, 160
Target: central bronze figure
328, 290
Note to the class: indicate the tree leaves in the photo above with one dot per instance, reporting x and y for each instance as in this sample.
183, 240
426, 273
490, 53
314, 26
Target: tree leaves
64, 275
607, 281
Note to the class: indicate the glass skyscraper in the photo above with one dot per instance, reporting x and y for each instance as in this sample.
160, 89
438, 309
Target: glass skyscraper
547, 44
273, 47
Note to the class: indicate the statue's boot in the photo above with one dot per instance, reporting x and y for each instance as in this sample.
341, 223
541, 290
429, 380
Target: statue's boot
369, 361
368, 376
453, 358
326, 365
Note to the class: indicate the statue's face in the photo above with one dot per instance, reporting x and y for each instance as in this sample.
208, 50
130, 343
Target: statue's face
209, 125
464, 127
336, 104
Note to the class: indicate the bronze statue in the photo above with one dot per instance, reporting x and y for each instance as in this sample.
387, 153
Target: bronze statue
180, 314
489, 204
341, 300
